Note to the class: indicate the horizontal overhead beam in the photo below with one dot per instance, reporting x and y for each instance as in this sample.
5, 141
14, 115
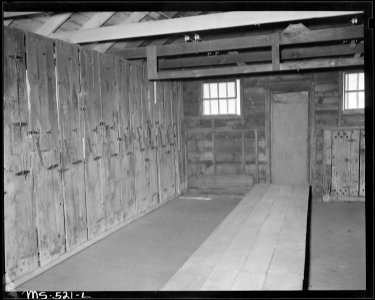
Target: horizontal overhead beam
192, 24
15, 14
286, 38
259, 56
260, 68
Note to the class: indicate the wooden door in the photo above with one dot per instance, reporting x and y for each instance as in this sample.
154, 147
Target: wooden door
289, 138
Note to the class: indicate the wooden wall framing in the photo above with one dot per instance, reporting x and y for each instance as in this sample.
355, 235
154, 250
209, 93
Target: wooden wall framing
87, 146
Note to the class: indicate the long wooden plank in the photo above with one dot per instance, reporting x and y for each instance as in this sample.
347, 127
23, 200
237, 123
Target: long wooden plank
362, 164
90, 94
256, 56
354, 163
53, 23
20, 235
15, 14
46, 155
196, 270
125, 140
139, 146
340, 162
192, 24
251, 275
286, 270
110, 145
135, 17
259, 68
71, 129
321, 35
327, 164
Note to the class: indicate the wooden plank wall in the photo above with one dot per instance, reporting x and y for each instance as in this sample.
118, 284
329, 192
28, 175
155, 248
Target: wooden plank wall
343, 160
205, 159
88, 145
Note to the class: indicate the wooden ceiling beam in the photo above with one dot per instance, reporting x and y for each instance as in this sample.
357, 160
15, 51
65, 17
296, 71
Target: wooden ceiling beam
259, 56
192, 24
260, 68
290, 38
14, 14
53, 23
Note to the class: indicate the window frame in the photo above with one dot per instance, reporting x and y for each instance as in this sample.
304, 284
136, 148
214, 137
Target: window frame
222, 116
343, 91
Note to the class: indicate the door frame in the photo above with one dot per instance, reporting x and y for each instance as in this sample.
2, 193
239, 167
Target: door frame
294, 86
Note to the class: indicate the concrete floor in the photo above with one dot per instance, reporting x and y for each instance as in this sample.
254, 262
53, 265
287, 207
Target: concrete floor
142, 255
146, 253
338, 250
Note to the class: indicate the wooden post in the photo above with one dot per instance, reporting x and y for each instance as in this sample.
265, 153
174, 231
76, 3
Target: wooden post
256, 155
152, 62
275, 51
213, 143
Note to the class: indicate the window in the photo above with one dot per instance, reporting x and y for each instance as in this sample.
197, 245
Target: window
354, 90
221, 98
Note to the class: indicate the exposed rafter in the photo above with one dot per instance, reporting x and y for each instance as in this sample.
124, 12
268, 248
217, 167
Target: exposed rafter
98, 20
13, 14
189, 24
133, 18
53, 23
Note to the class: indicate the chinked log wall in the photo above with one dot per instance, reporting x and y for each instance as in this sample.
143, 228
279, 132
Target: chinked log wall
89, 143
214, 144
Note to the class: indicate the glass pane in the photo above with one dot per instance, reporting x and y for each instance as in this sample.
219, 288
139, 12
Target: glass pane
206, 91
223, 107
231, 106
214, 107
231, 90
361, 81
352, 82
213, 90
222, 90
361, 100
206, 107
351, 100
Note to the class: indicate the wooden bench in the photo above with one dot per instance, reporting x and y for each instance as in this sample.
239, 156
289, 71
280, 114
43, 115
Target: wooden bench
260, 245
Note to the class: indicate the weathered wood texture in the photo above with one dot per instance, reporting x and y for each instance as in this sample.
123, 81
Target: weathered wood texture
46, 155
89, 143
343, 159
20, 234
90, 93
325, 90
260, 245
71, 136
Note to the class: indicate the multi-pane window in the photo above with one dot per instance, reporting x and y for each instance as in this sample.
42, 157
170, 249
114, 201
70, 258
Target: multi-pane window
221, 98
354, 91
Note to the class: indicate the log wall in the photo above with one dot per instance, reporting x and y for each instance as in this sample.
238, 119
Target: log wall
214, 144
89, 143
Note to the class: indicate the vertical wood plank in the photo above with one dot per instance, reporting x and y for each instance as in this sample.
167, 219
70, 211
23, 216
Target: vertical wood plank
90, 93
275, 51
20, 234
354, 163
340, 162
110, 145
46, 157
327, 164
256, 155
362, 163
72, 167
125, 140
